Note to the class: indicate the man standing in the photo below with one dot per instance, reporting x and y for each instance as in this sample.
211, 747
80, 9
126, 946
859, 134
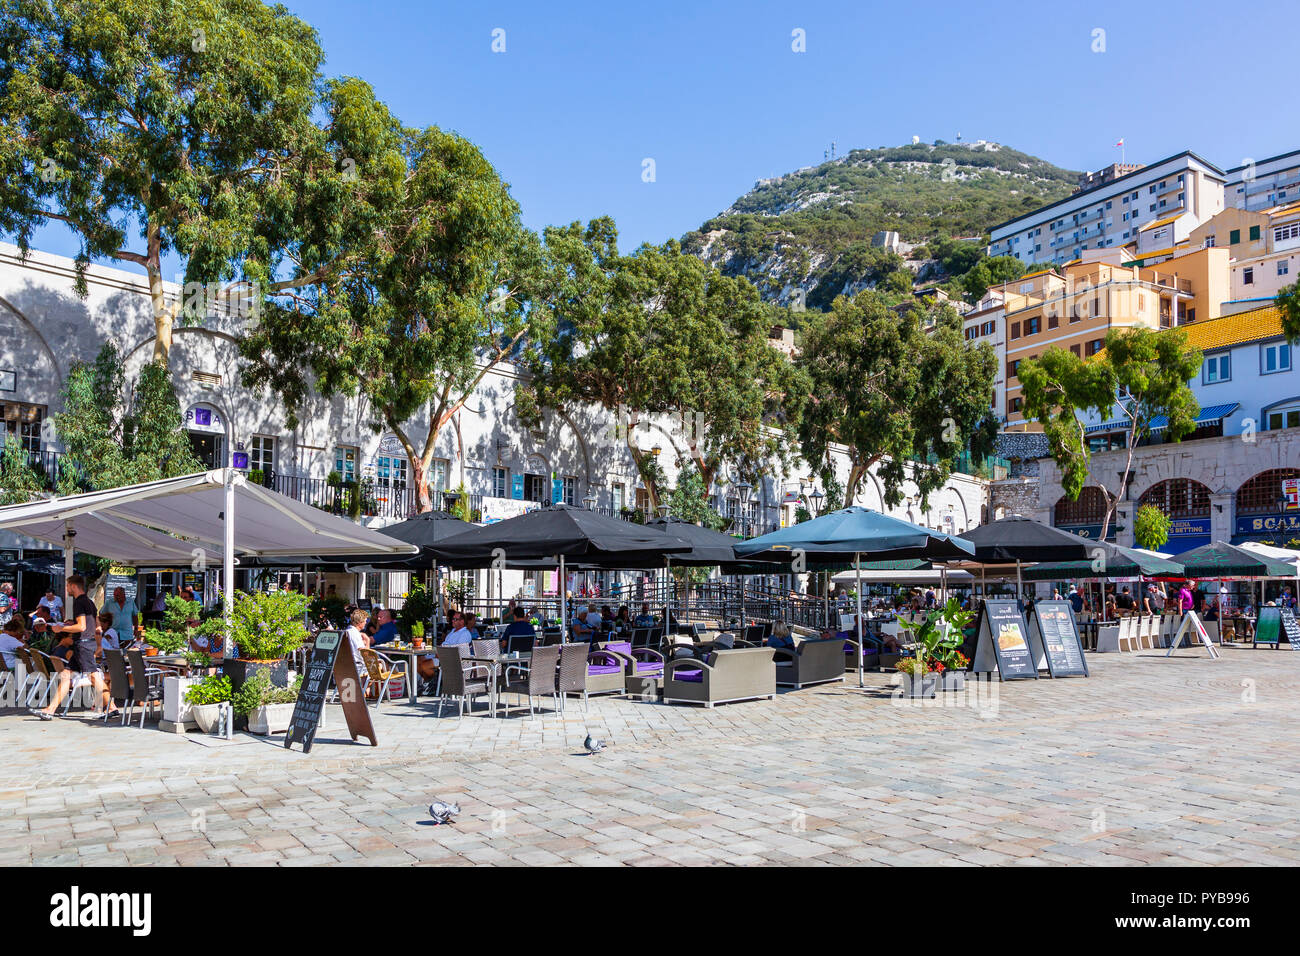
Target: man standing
125, 615
82, 628
1076, 600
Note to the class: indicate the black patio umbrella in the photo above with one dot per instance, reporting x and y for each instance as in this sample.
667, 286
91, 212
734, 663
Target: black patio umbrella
1017, 538
1106, 561
560, 533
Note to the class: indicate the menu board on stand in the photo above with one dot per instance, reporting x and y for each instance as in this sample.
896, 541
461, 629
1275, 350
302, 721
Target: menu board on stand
1002, 642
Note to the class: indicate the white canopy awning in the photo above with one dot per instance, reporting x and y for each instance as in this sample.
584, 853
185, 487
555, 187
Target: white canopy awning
181, 519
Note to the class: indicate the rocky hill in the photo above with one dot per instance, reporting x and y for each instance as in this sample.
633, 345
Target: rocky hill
808, 235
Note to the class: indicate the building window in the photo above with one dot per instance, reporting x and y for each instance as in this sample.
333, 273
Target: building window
441, 469
1217, 368
500, 482
1209, 242
1284, 418
1283, 266
345, 461
1015, 330
1033, 326
261, 454
391, 471
1013, 368
1074, 349
618, 496
1053, 321
1248, 275
1263, 493
1095, 346
570, 487
1275, 358
23, 421
1289, 231
1234, 237
1254, 233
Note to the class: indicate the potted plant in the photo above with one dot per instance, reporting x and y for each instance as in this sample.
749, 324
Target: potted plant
920, 678
205, 699
417, 634
417, 609
327, 611
268, 709
937, 638
264, 627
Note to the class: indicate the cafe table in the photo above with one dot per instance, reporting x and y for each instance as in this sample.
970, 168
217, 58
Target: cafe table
409, 653
494, 663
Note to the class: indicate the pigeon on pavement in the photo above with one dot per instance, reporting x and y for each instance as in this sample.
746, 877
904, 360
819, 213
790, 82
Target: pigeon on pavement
443, 812
593, 745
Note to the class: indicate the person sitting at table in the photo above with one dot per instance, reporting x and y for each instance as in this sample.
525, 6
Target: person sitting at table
357, 639
471, 625
781, 636
645, 618
1112, 608
386, 627
109, 639
520, 634
459, 633
582, 630
623, 619
12, 637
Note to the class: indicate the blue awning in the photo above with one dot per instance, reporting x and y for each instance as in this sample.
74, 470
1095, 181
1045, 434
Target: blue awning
1209, 414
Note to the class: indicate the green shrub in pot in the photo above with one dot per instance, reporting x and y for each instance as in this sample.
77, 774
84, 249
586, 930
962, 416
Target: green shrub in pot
266, 626
213, 689
258, 691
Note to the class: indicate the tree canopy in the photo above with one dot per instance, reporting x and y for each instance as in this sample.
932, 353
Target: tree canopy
901, 388
1140, 374
659, 333
156, 127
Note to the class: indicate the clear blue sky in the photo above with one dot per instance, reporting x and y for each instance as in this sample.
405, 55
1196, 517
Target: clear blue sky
714, 94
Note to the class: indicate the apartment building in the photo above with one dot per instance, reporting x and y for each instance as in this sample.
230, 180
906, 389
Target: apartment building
1233, 476
1075, 307
1265, 183
1112, 214
987, 323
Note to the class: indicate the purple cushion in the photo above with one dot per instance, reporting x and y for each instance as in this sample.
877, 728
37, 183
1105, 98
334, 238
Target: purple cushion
694, 676
649, 667
621, 647
604, 669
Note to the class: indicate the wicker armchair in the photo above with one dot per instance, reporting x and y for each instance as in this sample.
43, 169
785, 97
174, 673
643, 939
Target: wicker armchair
743, 674
810, 662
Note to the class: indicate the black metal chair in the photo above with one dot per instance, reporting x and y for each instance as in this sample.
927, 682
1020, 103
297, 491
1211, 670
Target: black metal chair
146, 684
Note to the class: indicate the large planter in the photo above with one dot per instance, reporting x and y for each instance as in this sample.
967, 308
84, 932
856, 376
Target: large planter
270, 719
239, 671
207, 716
952, 680
175, 710
920, 687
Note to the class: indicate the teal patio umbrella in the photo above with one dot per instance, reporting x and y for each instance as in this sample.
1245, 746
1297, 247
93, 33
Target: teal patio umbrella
855, 534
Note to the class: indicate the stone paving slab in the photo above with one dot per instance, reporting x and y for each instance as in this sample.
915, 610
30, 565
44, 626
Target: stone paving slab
1183, 761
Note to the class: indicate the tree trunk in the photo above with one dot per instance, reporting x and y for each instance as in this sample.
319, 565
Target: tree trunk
163, 315
1113, 500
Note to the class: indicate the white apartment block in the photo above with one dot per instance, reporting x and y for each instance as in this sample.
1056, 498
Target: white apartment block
1261, 184
1112, 215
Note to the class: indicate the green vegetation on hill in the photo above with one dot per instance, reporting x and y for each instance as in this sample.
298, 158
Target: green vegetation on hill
812, 229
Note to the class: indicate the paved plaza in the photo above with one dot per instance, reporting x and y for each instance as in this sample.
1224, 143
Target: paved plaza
1152, 760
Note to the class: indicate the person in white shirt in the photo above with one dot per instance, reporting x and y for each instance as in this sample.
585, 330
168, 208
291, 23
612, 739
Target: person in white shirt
54, 603
11, 639
357, 638
108, 637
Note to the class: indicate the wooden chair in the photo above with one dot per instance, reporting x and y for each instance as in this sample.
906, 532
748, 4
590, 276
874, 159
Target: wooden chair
380, 673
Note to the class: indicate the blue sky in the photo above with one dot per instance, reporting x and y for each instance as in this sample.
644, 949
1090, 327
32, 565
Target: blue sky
715, 95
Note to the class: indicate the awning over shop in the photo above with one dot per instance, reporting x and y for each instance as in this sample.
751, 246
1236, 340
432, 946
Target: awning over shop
1209, 414
178, 520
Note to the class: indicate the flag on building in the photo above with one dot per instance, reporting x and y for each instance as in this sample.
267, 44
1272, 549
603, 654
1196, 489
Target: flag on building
1120, 143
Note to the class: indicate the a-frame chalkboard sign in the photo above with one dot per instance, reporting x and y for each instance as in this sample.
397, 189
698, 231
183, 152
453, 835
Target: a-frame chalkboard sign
1054, 637
326, 662
1002, 642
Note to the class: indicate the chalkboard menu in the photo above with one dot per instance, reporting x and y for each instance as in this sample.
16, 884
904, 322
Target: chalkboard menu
326, 662
1002, 642
1060, 637
121, 577
1268, 628
1291, 627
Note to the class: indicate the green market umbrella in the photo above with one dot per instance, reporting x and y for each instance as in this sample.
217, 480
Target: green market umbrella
1107, 561
1222, 560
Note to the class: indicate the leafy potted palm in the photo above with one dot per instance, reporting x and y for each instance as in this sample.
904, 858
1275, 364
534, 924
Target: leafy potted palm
267, 708
936, 643
264, 628
205, 699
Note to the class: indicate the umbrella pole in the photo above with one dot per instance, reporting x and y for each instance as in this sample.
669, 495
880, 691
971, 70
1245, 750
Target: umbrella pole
228, 559
742, 604
564, 600
668, 594
826, 599
857, 570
